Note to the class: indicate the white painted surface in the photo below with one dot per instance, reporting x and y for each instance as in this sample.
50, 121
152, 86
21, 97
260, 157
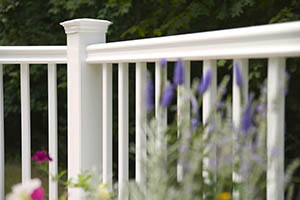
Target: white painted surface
84, 99
209, 97
2, 162
140, 117
25, 122
52, 134
161, 114
107, 123
237, 96
275, 128
239, 99
33, 54
160, 81
209, 101
249, 42
183, 113
123, 128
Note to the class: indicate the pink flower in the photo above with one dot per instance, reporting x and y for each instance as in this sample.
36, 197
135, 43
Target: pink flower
38, 194
41, 156
30, 190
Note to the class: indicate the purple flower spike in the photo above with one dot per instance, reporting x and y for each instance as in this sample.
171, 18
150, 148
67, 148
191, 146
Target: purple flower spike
149, 94
163, 62
195, 124
167, 96
246, 121
205, 82
238, 75
178, 78
260, 108
212, 127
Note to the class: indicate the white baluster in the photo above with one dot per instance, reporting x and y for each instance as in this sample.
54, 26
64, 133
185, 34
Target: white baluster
161, 114
237, 108
52, 125
183, 112
140, 174
25, 122
107, 122
160, 81
209, 100
123, 128
275, 128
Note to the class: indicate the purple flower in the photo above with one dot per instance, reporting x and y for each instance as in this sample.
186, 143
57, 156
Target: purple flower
246, 121
167, 95
205, 82
163, 62
260, 108
238, 75
41, 156
178, 78
149, 94
194, 124
219, 105
212, 127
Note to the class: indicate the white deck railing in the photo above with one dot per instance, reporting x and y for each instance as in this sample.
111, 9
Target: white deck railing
25, 55
90, 91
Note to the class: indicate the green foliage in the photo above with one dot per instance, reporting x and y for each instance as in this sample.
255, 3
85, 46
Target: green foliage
83, 181
288, 13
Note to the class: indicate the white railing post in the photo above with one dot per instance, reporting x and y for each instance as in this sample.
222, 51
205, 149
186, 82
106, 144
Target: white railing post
275, 129
84, 99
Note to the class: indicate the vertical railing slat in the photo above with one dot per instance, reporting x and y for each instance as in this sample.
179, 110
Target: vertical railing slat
183, 112
237, 106
1, 135
209, 100
123, 127
161, 114
209, 97
275, 128
25, 122
160, 81
140, 118
107, 122
52, 125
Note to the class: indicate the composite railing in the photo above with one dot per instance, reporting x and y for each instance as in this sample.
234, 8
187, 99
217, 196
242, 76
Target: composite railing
25, 55
90, 89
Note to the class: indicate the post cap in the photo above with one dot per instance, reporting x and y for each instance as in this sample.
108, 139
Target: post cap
85, 25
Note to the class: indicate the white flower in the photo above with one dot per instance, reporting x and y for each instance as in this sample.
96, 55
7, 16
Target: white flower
22, 191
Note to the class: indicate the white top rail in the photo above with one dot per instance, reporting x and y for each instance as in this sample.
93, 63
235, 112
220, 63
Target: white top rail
251, 42
33, 54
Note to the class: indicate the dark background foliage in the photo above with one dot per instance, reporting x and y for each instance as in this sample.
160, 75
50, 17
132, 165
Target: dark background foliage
31, 22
